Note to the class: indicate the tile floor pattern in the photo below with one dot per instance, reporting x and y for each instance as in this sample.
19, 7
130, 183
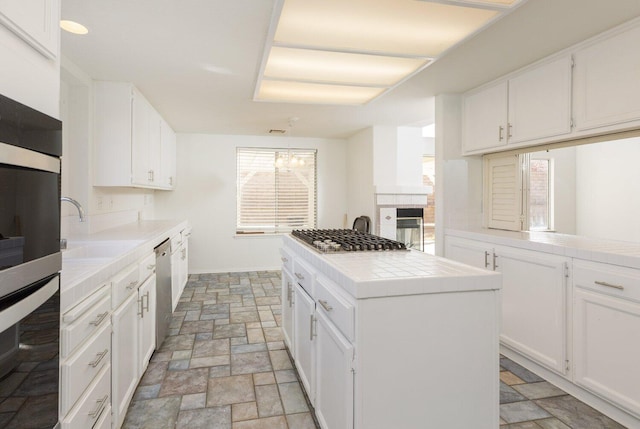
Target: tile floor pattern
224, 366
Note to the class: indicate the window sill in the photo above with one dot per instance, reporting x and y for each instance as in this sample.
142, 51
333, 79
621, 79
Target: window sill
260, 235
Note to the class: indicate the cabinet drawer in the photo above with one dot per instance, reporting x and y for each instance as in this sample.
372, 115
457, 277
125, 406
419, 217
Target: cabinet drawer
124, 284
304, 275
81, 368
336, 308
93, 404
147, 267
617, 281
287, 259
84, 319
105, 419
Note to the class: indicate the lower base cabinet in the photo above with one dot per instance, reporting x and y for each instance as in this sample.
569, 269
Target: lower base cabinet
124, 357
287, 300
335, 376
304, 345
91, 408
146, 322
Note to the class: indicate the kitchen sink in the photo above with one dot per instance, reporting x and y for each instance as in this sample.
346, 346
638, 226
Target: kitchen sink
98, 249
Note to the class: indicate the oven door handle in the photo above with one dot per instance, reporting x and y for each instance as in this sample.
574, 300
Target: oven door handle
42, 291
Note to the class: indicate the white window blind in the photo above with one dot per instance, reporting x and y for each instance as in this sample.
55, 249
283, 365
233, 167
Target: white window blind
276, 190
503, 194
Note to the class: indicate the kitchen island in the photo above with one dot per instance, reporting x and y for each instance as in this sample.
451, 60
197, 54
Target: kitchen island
396, 339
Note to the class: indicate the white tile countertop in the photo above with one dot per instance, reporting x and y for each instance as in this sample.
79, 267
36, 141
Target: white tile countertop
621, 253
394, 273
92, 259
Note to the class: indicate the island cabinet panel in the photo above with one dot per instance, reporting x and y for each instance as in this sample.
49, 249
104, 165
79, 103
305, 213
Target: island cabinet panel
287, 300
376, 351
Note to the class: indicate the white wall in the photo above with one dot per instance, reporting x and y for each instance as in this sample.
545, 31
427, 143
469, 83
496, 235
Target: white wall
360, 190
608, 186
27, 76
205, 194
385, 155
410, 150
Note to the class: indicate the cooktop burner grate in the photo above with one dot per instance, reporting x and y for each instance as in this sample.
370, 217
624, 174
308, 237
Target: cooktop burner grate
345, 240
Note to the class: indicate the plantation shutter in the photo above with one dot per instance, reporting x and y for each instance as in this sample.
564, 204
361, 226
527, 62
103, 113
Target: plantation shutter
503, 200
276, 190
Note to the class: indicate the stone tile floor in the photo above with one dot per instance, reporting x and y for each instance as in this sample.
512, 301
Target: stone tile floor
224, 366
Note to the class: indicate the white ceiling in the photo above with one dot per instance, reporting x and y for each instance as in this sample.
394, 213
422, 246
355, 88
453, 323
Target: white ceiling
197, 60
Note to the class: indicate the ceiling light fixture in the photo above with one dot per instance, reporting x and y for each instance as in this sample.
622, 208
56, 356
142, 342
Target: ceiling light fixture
73, 27
337, 52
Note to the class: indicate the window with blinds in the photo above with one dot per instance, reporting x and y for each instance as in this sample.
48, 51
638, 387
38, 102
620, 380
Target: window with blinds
276, 190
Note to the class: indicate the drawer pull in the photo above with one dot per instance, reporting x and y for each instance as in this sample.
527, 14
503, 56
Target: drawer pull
283, 259
608, 285
99, 319
151, 266
98, 410
299, 276
311, 330
132, 284
98, 358
325, 305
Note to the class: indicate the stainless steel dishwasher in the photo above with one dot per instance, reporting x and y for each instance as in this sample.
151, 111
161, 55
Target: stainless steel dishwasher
163, 291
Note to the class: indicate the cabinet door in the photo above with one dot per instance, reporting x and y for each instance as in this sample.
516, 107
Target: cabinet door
540, 102
485, 119
606, 347
607, 88
167, 156
124, 355
176, 267
534, 305
304, 345
287, 310
184, 264
146, 322
141, 142
154, 148
334, 385
469, 252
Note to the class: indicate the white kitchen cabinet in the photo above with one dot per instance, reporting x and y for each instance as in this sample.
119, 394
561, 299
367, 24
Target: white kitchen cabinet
304, 344
288, 304
540, 102
535, 104
485, 119
606, 326
179, 265
534, 291
470, 252
607, 88
146, 322
167, 155
128, 139
125, 353
35, 22
534, 297
89, 411
334, 375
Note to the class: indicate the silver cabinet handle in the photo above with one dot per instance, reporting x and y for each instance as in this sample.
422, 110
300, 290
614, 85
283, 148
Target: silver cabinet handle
299, 276
608, 285
500, 130
150, 175
325, 305
98, 358
486, 259
509, 127
289, 293
283, 259
151, 266
98, 410
495, 265
142, 306
184, 254
132, 284
312, 321
99, 319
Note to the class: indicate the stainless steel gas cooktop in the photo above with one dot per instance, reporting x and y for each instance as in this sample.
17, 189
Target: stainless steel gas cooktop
345, 240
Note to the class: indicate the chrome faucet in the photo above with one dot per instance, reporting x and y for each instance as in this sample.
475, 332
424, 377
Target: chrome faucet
78, 206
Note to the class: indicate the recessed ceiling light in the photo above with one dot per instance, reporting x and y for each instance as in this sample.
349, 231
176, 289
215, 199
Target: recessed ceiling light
73, 27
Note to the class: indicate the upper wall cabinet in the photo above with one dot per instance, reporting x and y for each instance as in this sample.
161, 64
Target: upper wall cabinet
36, 22
485, 119
135, 147
529, 106
607, 81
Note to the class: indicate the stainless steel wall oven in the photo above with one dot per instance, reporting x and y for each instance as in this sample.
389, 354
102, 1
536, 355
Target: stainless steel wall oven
30, 262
